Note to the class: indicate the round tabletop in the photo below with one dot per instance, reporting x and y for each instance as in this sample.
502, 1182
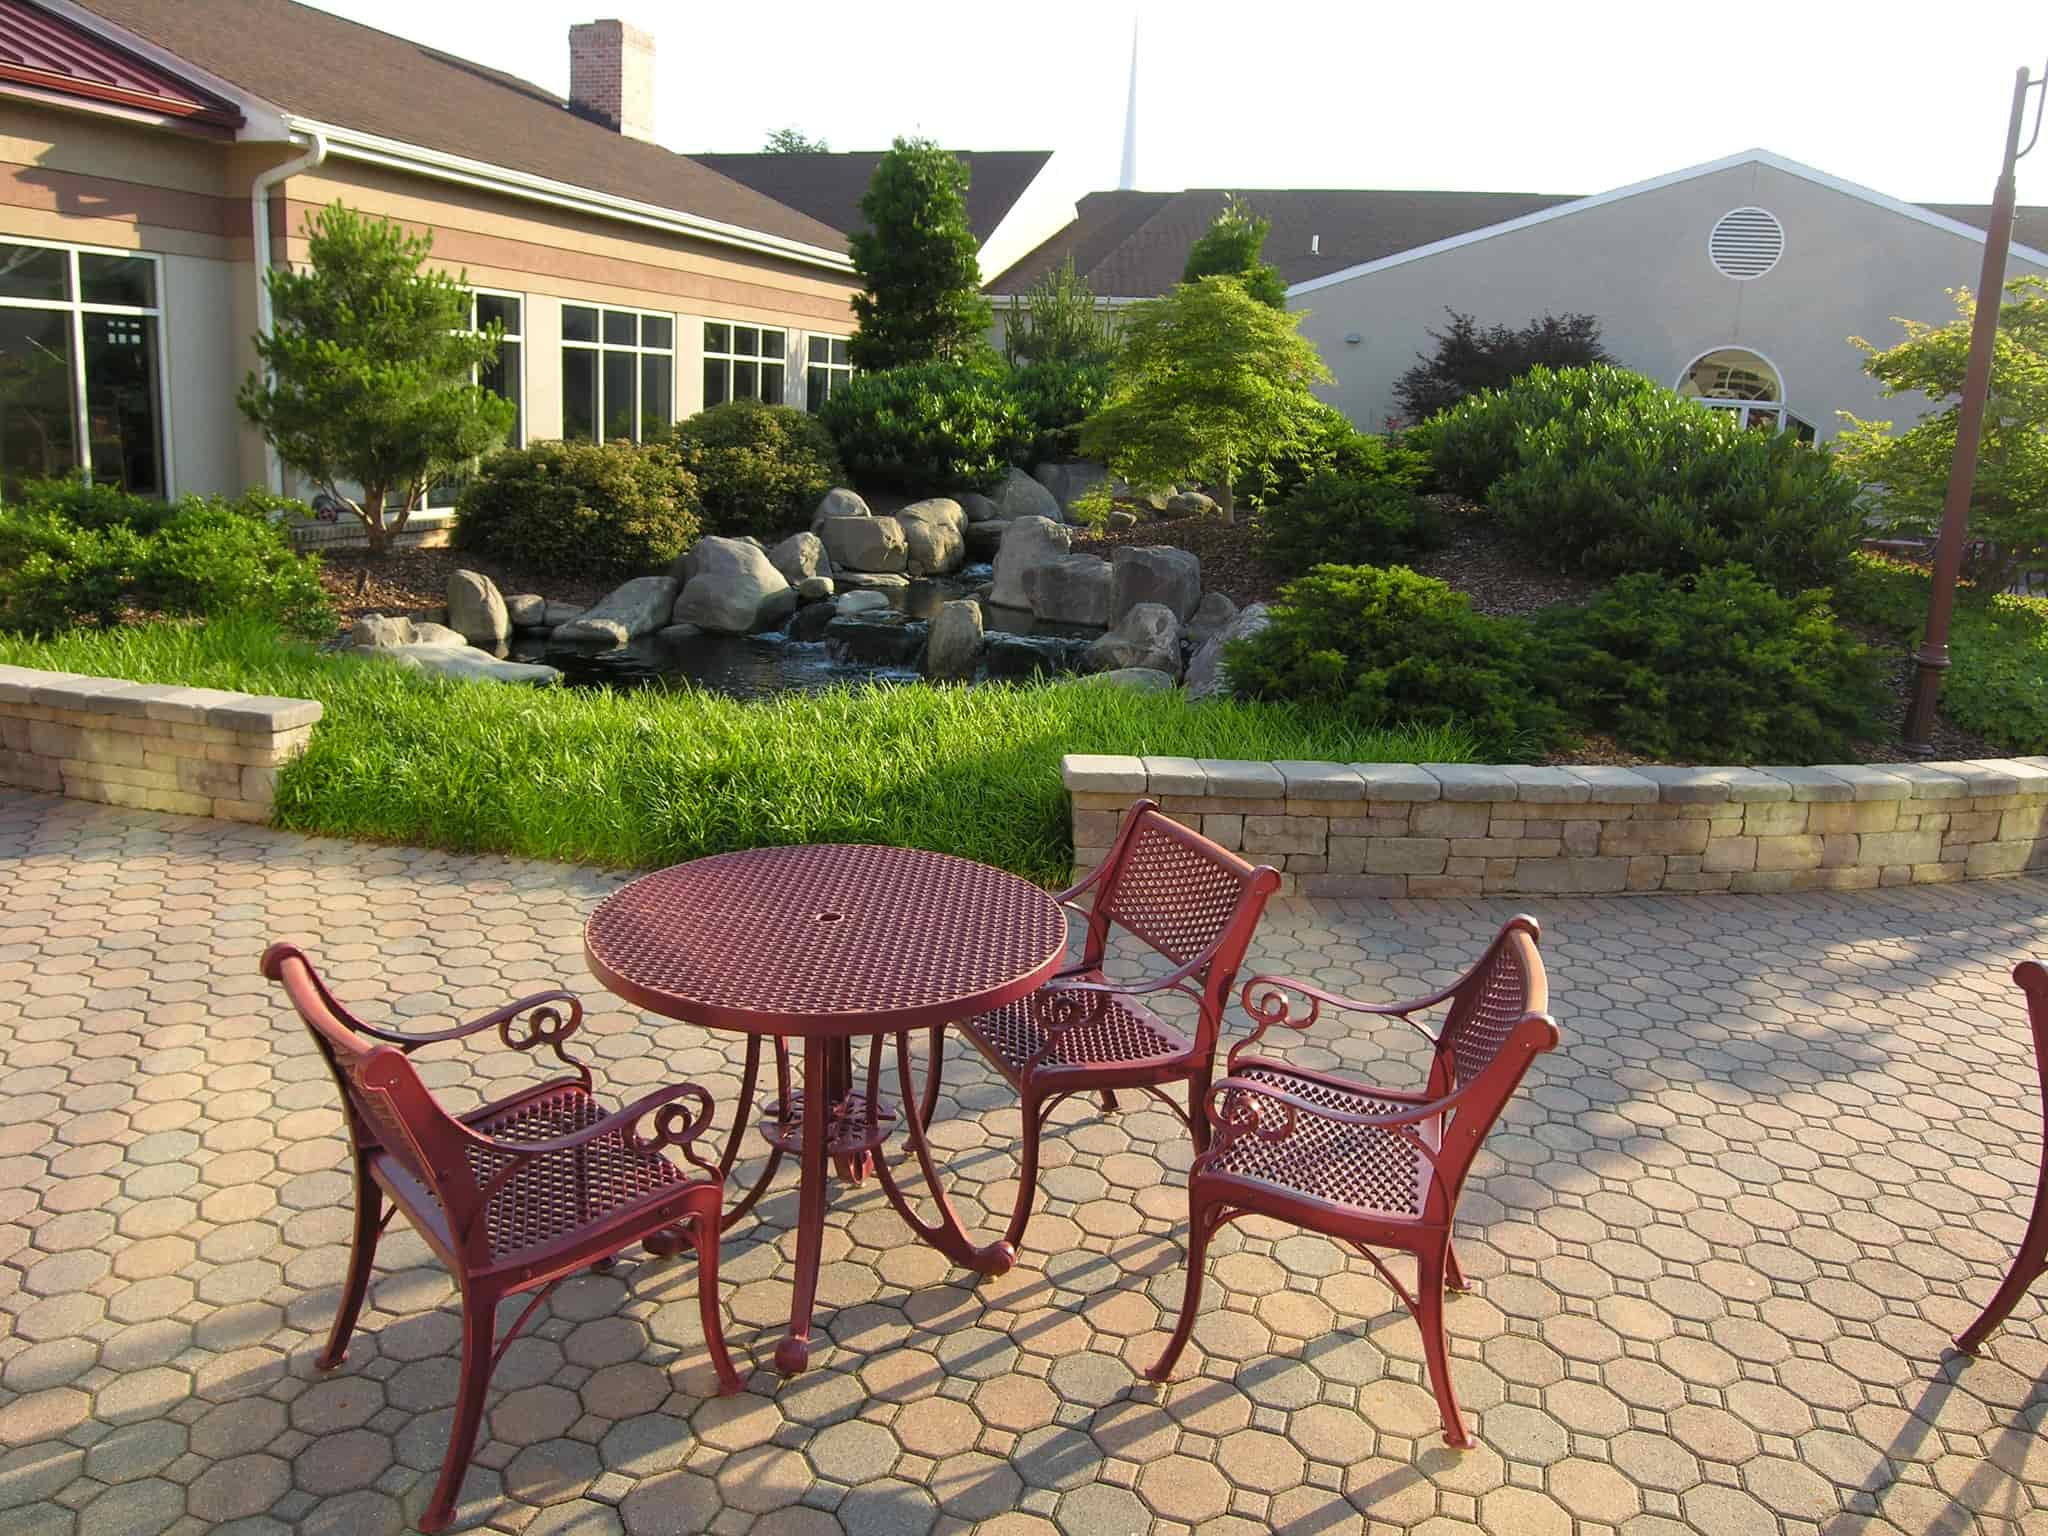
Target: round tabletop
825, 939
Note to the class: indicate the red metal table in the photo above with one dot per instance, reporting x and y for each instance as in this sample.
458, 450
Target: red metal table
825, 944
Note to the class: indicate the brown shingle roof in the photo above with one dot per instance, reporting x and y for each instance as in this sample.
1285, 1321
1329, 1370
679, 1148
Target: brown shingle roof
829, 187
2029, 225
331, 70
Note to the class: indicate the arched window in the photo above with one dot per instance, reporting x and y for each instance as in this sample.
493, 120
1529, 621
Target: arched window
1748, 383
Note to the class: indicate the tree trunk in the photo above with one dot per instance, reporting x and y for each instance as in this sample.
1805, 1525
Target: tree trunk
1226, 503
373, 519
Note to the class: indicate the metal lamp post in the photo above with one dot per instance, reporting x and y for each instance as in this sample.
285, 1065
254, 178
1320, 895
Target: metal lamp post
1931, 660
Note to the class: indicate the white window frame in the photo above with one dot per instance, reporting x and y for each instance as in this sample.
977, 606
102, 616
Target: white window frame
1747, 412
637, 350
427, 500
836, 374
729, 357
78, 309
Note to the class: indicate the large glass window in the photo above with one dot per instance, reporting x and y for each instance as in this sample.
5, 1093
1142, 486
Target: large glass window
743, 362
1738, 380
505, 378
618, 372
826, 367
80, 375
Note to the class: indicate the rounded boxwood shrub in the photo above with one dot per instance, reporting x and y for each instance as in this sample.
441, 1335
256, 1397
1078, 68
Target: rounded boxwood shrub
926, 429
1475, 442
55, 573
1338, 519
760, 469
1056, 396
216, 557
1715, 667
1389, 647
1323, 441
586, 509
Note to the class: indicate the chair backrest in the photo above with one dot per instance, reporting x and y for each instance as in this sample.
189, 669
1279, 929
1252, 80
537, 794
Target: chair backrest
1187, 897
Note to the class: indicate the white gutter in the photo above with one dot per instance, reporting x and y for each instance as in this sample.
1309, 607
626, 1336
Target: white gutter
371, 149
259, 225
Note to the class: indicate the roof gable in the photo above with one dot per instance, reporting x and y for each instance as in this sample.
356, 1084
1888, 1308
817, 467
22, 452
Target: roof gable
55, 57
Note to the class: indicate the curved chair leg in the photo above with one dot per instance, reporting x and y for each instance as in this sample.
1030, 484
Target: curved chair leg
362, 1259
705, 1229
1027, 1174
1109, 1101
934, 1072
1429, 1316
2027, 1267
1454, 1275
479, 1331
1199, 1227
1198, 1101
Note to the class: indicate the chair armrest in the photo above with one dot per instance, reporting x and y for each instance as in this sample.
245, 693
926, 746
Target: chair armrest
547, 1027
1269, 1001
676, 1124
1419, 1111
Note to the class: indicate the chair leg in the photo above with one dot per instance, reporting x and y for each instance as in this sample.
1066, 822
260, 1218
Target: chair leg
934, 1072
1454, 1275
2027, 1267
1109, 1101
1027, 1174
1429, 1300
1198, 1102
362, 1259
479, 1332
705, 1230
1199, 1228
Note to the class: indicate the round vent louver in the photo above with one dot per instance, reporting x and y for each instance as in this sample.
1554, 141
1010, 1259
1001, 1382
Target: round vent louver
1746, 243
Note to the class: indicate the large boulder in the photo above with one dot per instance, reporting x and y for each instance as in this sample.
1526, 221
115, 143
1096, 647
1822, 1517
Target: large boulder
464, 661
934, 536
559, 614
870, 581
1074, 589
877, 639
839, 502
984, 539
373, 630
427, 633
1212, 614
1068, 483
1207, 675
1189, 504
639, 607
1148, 636
1028, 542
955, 644
861, 602
527, 610
865, 543
977, 507
1137, 679
1021, 496
734, 589
800, 557
813, 589
1028, 655
1157, 573
476, 609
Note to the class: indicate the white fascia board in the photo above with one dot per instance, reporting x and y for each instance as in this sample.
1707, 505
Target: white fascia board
352, 144
262, 120
1658, 183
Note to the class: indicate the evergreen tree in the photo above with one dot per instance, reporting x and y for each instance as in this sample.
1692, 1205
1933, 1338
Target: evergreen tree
916, 260
1232, 248
791, 141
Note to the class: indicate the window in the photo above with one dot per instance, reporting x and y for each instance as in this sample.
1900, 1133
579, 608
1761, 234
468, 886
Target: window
618, 372
1733, 379
743, 362
81, 376
826, 367
506, 378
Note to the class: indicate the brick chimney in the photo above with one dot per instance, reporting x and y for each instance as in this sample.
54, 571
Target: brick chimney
611, 76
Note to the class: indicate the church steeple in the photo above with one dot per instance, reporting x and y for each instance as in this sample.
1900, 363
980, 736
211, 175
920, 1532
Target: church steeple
1127, 179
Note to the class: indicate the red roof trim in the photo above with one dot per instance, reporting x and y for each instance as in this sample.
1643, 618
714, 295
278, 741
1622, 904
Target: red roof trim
39, 50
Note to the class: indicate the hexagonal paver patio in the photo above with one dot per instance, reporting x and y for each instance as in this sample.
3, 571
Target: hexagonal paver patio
1720, 1241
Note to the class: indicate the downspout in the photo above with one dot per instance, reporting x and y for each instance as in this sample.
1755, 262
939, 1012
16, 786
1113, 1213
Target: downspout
259, 225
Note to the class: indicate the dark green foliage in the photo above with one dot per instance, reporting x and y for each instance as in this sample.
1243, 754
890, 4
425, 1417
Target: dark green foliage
1474, 443
587, 509
1233, 247
55, 573
97, 506
916, 260
1338, 519
929, 429
1056, 320
1386, 645
760, 469
1715, 667
793, 141
1468, 359
1322, 440
218, 557
1055, 398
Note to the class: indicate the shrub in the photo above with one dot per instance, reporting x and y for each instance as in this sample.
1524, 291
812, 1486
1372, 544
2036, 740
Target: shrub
96, 506
1055, 398
217, 557
1474, 443
55, 573
1056, 320
931, 428
1468, 359
760, 469
1717, 668
1234, 246
1338, 519
915, 254
1323, 440
591, 509
1386, 647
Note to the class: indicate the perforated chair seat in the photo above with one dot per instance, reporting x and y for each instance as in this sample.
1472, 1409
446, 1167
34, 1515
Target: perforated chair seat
1362, 1168
1126, 1034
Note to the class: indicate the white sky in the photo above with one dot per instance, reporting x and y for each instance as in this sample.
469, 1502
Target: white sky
1468, 94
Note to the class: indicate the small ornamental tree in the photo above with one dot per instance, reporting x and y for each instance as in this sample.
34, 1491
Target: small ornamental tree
916, 260
1209, 379
1057, 320
1468, 358
368, 382
1232, 248
791, 141
1905, 474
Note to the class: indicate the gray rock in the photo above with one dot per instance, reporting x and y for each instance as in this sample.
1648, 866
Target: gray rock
1146, 637
933, 548
1189, 504
1074, 589
879, 639
604, 634
1068, 483
812, 621
374, 630
1021, 496
865, 543
464, 661
1207, 675
861, 602
638, 607
1139, 679
427, 633
734, 589
1156, 573
984, 539
526, 610
1008, 655
559, 614
1027, 542
935, 509
476, 609
676, 633
838, 502
979, 508
869, 581
1120, 518
813, 589
800, 557
955, 645
1211, 614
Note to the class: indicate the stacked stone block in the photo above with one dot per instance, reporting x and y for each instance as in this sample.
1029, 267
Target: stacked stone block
149, 746
1442, 829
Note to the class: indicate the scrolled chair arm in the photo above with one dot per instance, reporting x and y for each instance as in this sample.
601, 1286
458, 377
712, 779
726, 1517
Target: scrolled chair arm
1236, 1107
1063, 1005
1269, 1000
680, 1113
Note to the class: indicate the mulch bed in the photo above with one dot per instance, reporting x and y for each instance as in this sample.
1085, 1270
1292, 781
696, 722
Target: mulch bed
413, 583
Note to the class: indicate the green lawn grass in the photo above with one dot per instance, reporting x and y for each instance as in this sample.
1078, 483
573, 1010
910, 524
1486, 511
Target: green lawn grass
643, 779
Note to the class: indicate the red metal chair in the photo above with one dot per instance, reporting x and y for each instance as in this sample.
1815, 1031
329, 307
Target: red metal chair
1193, 903
2031, 1261
1370, 1166
515, 1196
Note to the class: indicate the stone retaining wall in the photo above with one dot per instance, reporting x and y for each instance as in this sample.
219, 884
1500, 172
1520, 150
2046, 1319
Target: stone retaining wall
195, 751
1398, 829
